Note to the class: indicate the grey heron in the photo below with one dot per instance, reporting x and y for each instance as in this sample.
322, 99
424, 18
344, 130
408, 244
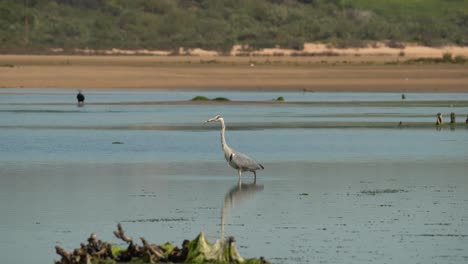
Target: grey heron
237, 160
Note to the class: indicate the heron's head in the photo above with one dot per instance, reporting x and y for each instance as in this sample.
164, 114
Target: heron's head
217, 118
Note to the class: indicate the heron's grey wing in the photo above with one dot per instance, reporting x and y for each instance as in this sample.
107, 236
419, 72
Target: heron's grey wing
244, 162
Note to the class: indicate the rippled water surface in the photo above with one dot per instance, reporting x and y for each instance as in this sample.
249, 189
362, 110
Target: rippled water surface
327, 195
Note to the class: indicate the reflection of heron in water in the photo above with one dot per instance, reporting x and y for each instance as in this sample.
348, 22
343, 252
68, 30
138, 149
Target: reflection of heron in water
238, 194
237, 160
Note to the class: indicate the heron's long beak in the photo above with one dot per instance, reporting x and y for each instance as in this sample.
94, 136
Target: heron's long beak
210, 120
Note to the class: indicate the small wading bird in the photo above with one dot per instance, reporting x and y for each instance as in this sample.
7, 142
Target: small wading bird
237, 160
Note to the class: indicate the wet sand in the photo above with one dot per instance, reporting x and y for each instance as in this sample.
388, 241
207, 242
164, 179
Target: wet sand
320, 73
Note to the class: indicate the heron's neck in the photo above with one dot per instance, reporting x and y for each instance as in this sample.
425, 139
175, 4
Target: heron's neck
226, 149
223, 139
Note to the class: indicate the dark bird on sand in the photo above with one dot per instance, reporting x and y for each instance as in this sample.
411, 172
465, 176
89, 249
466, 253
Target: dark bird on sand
80, 97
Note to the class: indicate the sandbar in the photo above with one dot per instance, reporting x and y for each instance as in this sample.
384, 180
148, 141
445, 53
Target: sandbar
345, 73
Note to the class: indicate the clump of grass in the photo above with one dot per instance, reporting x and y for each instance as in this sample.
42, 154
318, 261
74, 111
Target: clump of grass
117, 142
314, 54
200, 98
395, 44
280, 99
208, 62
7, 65
381, 191
204, 98
460, 59
446, 58
220, 99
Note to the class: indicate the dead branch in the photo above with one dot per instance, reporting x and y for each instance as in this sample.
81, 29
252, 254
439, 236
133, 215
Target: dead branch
120, 234
66, 257
155, 250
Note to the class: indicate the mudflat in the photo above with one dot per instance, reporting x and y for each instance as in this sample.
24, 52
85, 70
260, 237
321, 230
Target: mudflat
269, 73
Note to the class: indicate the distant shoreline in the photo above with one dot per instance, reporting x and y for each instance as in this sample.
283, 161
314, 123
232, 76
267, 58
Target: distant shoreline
344, 73
399, 49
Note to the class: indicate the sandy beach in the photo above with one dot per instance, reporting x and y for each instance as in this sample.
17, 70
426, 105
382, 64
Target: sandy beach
369, 73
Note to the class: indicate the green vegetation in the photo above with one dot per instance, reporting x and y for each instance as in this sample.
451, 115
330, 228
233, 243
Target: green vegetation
198, 251
200, 98
430, 22
280, 99
220, 99
446, 58
38, 25
116, 250
168, 248
204, 98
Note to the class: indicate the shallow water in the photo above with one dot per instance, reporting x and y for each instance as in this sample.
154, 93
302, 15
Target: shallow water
357, 195
13, 95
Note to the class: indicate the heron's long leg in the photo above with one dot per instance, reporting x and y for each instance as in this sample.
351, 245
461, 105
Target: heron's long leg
255, 176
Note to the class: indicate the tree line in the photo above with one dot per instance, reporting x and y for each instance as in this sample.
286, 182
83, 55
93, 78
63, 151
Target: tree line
35, 25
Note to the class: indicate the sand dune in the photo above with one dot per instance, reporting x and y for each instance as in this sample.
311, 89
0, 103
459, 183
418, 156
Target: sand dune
370, 69
408, 50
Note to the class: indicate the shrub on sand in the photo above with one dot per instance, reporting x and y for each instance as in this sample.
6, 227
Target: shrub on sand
200, 98
220, 99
